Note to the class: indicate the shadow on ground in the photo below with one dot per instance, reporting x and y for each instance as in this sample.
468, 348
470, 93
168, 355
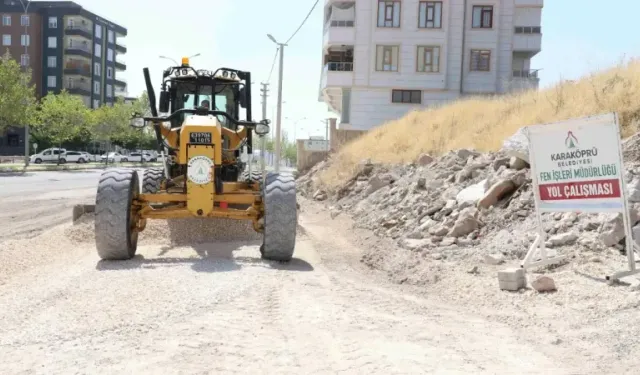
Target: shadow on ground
208, 258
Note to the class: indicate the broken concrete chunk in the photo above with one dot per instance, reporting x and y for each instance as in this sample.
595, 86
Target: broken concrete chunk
424, 159
496, 192
544, 284
517, 163
473, 193
562, 239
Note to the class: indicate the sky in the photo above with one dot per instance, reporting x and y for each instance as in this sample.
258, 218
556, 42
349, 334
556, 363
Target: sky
576, 40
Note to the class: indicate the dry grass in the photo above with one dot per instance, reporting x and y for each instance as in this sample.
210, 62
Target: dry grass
484, 123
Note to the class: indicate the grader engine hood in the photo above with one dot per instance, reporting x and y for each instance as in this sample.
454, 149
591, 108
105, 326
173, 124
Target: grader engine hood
201, 148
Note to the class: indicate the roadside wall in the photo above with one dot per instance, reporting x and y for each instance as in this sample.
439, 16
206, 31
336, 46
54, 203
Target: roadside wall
337, 139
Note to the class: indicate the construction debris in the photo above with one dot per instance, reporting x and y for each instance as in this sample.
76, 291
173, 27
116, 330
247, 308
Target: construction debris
469, 205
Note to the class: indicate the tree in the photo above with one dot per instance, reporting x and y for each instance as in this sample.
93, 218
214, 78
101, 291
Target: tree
17, 94
61, 117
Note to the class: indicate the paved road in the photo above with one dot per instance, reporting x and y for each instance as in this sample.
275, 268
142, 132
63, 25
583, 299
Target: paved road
36, 201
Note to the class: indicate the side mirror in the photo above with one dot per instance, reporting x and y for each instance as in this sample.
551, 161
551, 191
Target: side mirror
136, 121
242, 97
164, 101
262, 128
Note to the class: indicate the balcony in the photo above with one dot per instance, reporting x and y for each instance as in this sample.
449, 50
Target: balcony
338, 32
339, 22
121, 47
120, 65
525, 80
120, 82
78, 48
527, 39
77, 67
79, 30
78, 87
120, 93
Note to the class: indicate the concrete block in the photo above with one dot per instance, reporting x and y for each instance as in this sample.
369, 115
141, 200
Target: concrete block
512, 279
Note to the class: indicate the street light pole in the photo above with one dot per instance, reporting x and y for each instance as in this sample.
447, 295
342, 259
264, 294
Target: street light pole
279, 115
26, 52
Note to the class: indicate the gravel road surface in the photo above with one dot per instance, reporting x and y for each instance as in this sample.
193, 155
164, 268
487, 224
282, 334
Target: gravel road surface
216, 307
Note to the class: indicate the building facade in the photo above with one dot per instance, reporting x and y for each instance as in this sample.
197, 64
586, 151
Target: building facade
67, 47
382, 59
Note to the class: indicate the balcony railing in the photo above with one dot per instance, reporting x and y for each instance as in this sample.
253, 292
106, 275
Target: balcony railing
79, 29
77, 64
79, 46
339, 66
532, 74
78, 86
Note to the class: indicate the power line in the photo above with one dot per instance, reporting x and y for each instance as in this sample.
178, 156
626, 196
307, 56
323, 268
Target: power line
273, 64
303, 22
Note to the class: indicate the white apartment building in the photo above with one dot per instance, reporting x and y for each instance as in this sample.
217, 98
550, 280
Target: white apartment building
381, 59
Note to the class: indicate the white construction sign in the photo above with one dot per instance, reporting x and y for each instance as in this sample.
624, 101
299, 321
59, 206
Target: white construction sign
315, 145
576, 166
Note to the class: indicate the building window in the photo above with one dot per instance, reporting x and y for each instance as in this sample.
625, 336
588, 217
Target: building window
480, 60
528, 30
24, 20
97, 69
111, 36
6, 40
482, 17
6, 20
98, 50
96, 103
406, 96
430, 16
428, 59
96, 88
53, 42
52, 62
109, 91
53, 22
99, 31
51, 81
388, 14
387, 58
109, 72
24, 60
25, 40
109, 54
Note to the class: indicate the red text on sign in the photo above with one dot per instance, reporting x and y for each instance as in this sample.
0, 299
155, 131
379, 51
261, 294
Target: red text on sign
580, 190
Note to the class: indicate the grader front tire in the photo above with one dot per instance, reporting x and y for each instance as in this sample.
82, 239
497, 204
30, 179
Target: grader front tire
152, 180
256, 176
115, 217
280, 217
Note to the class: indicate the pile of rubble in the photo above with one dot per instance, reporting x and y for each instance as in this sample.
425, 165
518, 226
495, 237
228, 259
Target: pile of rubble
464, 199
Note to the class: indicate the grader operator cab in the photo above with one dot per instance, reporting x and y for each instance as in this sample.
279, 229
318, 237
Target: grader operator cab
200, 142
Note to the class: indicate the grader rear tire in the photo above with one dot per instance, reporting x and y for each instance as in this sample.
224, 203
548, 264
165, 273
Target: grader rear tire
115, 217
152, 180
280, 217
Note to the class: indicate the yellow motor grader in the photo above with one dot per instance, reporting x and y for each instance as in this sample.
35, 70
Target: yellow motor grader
200, 141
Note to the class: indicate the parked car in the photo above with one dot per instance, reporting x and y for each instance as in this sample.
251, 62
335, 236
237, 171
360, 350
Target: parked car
115, 157
139, 157
49, 155
76, 157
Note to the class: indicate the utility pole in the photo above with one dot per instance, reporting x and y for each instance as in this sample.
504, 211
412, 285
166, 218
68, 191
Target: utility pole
263, 139
279, 115
326, 137
26, 52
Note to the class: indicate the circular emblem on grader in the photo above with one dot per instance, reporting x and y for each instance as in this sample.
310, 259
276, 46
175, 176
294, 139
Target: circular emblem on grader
199, 170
